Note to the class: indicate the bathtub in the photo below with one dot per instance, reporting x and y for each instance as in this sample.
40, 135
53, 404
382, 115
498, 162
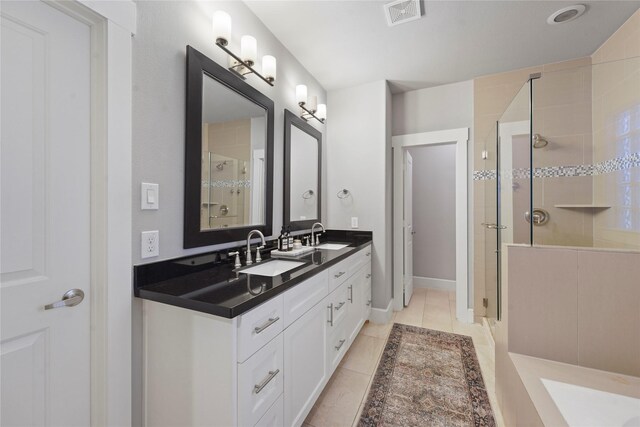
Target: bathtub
587, 407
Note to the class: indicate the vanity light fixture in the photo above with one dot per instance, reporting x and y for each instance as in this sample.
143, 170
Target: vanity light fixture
245, 63
310, 106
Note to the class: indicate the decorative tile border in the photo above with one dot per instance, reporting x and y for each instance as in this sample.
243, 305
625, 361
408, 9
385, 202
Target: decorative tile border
228, 183
608, 166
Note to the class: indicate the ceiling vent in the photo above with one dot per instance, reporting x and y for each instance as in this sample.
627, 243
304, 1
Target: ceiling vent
401, 11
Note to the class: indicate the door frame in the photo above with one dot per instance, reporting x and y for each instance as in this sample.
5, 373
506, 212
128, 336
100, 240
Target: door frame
460, 137
112, 25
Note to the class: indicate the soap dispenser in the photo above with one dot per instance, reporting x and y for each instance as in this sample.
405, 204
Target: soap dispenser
283, 241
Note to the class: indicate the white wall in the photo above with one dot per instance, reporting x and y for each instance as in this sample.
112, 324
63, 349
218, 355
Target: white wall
359, 159
434, 211
165, 28
435, 108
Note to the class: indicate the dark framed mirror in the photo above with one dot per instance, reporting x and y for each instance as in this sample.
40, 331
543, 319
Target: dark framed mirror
302, 173
228, 156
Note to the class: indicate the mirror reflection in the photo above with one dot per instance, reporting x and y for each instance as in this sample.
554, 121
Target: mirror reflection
304, 169
302, 195
234, 134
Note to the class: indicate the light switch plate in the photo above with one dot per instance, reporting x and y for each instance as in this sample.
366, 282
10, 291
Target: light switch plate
354, 222
150, 244
149, 194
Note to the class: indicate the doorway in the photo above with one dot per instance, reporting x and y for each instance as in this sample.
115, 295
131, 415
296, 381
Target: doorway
433, 228
402, 230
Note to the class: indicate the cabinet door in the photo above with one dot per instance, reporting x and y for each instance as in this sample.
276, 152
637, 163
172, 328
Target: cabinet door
366, 291
304, 363
356, 306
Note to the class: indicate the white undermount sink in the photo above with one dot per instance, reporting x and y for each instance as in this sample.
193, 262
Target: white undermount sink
272, 268
332, 246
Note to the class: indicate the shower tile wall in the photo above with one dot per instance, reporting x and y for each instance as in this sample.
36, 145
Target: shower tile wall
616, 127
562, 115
492, 96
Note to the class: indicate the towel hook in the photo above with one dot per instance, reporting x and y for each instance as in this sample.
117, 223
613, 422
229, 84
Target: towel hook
343, 194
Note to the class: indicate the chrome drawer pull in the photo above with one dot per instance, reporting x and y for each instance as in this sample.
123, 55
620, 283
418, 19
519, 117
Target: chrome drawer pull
339, 274
351, 294
368, 303
369, 276
339, 306
268, 323
368, 253
258, 387
330, 307
339, 346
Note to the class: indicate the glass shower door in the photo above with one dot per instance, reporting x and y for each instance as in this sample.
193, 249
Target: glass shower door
507, 193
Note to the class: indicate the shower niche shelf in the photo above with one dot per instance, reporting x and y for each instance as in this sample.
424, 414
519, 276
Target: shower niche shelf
582, 206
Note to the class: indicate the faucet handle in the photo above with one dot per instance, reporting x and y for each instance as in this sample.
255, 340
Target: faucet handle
317, 239
258, 256
237, 264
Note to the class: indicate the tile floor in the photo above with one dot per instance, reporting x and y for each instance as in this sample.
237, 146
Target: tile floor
341, 401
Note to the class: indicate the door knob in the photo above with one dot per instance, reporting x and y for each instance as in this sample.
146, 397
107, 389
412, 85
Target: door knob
69, 299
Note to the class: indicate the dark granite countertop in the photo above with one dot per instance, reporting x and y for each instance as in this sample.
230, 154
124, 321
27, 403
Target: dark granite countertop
209, 283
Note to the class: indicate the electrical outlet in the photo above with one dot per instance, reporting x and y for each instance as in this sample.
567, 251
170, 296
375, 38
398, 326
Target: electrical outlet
150, 244
354, 222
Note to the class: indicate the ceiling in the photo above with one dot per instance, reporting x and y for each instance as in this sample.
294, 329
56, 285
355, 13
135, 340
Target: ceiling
346, 43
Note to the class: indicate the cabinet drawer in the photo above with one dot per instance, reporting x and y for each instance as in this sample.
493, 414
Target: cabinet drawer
303, 296
259, 326
340, 272
260, 382
337, 345
337, 306
274, 416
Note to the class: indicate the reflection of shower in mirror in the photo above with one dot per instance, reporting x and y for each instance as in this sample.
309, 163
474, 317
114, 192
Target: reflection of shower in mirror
220, 166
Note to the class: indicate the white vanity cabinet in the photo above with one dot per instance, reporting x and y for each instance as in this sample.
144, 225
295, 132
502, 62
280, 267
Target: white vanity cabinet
266, 367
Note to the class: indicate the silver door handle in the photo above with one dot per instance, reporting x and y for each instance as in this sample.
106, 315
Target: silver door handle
339, 346
69, 299
369, 276
339, 306
268, 323
258, 387
338, 275
368, 254
494, 226
368, 303
351, 294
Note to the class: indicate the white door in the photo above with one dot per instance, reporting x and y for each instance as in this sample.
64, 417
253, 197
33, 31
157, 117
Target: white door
45, 216
408, 227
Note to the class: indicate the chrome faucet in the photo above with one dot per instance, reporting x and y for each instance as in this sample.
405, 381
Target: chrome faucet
258, 257
315, 240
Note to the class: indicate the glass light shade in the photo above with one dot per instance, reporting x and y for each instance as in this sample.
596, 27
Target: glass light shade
269, 67
301, 94
313, 103
248, 49
221, 26
322, 111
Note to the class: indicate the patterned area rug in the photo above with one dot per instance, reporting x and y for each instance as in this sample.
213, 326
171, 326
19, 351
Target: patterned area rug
427, 378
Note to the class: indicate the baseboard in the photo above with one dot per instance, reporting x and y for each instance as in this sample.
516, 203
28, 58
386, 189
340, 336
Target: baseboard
431, 283
382, 315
